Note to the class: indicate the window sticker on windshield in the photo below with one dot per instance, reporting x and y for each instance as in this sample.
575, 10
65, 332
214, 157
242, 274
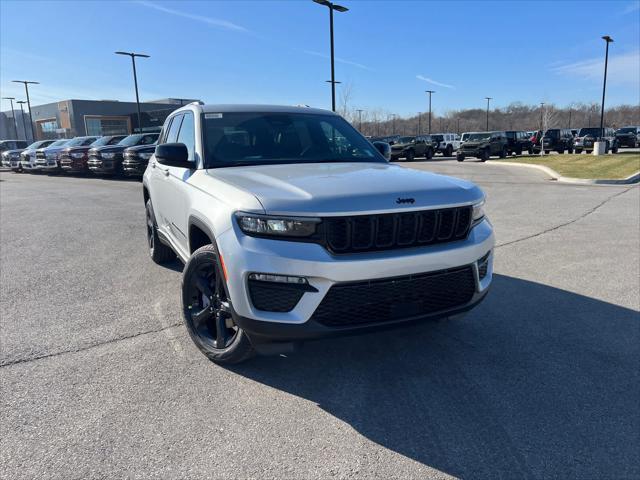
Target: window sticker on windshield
212, 115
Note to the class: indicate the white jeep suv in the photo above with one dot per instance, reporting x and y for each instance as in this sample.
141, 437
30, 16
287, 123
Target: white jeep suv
293, 226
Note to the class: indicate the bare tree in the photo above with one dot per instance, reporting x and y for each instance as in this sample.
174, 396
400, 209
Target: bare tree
346, 96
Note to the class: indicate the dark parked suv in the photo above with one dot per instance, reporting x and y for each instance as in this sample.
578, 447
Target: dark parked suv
136, 159
73, 159
411, 147
557, 139
588, 136
483, 145
518, 142
108, 159
628, 137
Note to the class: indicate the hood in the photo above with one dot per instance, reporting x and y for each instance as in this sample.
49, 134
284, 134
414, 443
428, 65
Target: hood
141, 149
108, 149
346, 188
400, 146
13, 151
79, 148
51, 149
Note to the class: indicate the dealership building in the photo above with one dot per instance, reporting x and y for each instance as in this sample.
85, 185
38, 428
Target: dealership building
73, 118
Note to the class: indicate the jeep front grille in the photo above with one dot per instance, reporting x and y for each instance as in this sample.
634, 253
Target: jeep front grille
366, 233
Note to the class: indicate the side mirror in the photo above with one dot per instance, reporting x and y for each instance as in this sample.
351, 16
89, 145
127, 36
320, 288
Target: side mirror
173, 155
384, 148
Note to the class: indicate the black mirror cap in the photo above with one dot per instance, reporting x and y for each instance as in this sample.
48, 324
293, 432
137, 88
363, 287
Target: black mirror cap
173, 155
384, 148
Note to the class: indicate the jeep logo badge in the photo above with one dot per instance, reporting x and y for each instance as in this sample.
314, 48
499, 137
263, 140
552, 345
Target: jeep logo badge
405, 200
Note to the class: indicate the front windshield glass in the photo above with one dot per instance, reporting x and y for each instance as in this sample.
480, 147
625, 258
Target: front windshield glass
627, 130
59, 143
39, 144
130, 140
406, 139
594, 132
246, 138
477, 137
78, 141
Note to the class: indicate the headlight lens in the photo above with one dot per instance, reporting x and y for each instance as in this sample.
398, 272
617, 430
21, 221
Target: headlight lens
108, 155
145, 156
273, 226
478, 212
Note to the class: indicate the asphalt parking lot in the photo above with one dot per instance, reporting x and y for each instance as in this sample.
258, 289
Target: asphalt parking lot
100, 379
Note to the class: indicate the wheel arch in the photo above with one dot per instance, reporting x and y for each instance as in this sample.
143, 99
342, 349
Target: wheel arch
199, 234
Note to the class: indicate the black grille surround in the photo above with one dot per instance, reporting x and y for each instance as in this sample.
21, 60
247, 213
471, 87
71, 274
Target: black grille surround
367, 233
396, 299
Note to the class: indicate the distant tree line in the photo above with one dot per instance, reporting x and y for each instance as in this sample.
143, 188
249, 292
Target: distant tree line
516, 116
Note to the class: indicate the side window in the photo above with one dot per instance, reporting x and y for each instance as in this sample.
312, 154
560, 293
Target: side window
187, 135
172, 134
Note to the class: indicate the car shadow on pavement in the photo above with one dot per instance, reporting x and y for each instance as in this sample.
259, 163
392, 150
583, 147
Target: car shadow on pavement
536, 382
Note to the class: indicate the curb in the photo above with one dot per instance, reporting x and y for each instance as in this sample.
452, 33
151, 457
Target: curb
555, 176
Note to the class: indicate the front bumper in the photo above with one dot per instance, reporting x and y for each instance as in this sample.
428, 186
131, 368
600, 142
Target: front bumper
133, 167
476, 152
47, 165
244, 255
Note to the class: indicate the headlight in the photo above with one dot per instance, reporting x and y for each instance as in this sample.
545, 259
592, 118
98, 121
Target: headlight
478, 212
259, 225
108, 155
77, 155
145, 156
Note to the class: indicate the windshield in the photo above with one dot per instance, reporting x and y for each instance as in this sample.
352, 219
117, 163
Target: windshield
139, 139
552, 133
80, 141
239, 138
477, 137
39, 144
406, 139
593, 132
59, 143
627, 130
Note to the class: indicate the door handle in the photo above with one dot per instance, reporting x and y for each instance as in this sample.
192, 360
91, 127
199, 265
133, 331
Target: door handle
166, 172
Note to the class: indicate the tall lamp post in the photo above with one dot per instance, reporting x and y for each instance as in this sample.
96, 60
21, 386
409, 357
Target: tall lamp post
541, 116
24, 127
13, 114
488, 100
608, 40
393, 124
26, 89
339, 8
430, 92
419, 123
135, 81
359, 119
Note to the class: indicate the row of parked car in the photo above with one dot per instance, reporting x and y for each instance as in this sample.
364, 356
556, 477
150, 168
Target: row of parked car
109, 155
483, 145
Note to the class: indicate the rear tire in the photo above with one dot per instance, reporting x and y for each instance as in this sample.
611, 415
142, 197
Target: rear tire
207, 310
429, 154
578, 151
158, 251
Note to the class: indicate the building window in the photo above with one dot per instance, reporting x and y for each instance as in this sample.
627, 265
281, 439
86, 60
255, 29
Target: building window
97, 126
47, 128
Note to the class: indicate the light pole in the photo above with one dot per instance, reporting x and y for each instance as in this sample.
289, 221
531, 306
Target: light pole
419, 123
26, 89
608, 40
359, 120
488, 100
458, 130
541, 113
135, 81
13, 114
393, 120
430, 92
24, 127
339, 8
541, 128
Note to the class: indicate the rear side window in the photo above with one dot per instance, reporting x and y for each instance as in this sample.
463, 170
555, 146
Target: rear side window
187, 135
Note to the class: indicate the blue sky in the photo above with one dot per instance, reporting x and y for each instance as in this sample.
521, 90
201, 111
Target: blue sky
277, 51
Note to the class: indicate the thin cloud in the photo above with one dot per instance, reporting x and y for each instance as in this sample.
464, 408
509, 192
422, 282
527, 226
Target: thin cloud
632, 7
214, 22
338, 59
622, 69
433, 82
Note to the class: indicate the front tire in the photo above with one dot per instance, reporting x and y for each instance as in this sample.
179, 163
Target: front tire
503, 153
484, 156
429, 154
410, 156
207, 310
158, 251
449, 151
460, 158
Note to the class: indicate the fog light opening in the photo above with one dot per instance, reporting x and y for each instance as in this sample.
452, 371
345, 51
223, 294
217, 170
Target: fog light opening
268, 277
483, 266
